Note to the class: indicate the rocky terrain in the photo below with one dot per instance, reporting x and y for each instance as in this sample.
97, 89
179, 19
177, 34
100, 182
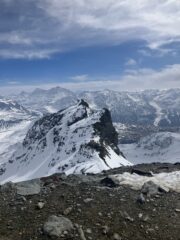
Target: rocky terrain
89, 207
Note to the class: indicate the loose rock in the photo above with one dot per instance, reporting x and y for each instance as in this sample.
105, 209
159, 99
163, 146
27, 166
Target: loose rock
32, 187
55, 226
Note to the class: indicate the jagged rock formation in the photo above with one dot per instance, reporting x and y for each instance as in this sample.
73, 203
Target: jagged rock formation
75, 140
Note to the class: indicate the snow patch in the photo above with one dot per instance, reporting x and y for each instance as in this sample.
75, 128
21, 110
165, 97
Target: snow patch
169, 181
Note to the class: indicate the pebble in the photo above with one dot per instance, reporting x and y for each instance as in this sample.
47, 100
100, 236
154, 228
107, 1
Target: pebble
67, 211
87, 200
89, 231
40, 205
141, 199
177, 210
106, 229
81, 232
116, 236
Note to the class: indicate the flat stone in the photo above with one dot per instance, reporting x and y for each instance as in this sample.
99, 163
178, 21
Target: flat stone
31, 187
56, 226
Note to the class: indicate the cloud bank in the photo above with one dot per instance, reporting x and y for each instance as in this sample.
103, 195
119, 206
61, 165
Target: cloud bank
133, 80
40, 28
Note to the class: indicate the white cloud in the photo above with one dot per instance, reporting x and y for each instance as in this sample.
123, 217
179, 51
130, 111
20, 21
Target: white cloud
80, 78
166, 78
13, 82
135, 80
131, 62
41, 25
155, 21
28, 54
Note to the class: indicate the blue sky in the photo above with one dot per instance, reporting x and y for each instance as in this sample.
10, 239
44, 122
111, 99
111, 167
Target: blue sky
89, 44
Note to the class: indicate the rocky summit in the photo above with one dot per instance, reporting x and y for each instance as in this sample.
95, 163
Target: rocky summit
75, 140
88, 207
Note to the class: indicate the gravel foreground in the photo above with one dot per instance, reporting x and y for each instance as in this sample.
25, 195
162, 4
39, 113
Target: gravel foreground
82, 208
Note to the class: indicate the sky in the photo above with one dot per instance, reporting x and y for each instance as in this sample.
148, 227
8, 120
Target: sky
89, 44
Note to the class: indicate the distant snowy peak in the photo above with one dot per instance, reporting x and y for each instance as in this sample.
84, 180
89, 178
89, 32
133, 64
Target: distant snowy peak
75, 140
160, 109
47, 101
12, 113
10, 105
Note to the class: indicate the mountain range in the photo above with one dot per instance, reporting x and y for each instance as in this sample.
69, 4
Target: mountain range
148, 108
46, 101
145, 122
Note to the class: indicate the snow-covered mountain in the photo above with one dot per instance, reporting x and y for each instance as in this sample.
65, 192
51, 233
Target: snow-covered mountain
136, 115
12, 113
11, 138
75, 140
14, 123
156, 147
46, 101
147, 108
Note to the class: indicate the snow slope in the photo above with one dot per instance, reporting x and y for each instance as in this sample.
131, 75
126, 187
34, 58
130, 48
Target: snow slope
14, 123
157, 147
169, 181
75, 140
11, 138
12, 113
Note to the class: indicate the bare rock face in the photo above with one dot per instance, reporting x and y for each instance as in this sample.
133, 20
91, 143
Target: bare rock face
55, 226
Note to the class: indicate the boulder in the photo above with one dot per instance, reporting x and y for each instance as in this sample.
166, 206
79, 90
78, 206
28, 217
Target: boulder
141, 173
109, 182
55, 226
31, 187
151, 189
